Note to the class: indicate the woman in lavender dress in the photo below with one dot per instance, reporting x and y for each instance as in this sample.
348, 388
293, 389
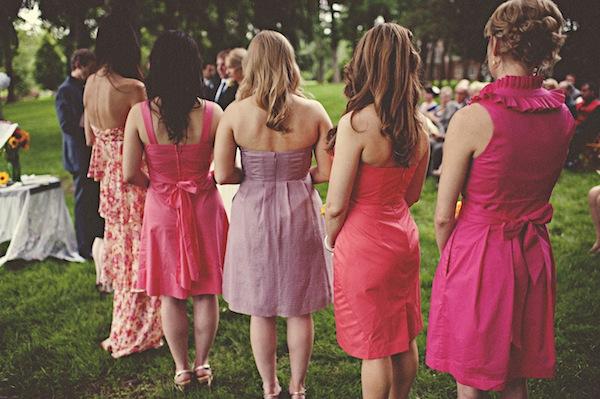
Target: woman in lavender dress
275, 264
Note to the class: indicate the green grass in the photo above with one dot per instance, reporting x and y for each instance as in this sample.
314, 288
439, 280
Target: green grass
52, 320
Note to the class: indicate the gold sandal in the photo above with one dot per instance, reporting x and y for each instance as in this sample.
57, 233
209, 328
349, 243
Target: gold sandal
274, 395
299, 394
205, 378
182, 385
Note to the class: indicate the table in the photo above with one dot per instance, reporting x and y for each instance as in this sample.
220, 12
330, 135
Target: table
35, 218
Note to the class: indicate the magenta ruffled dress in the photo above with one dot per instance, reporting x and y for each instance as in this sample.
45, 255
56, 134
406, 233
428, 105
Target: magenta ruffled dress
185, 226
492, 304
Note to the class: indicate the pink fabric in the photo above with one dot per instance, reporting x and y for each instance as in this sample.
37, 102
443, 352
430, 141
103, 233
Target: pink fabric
492, 303
183, 214
376, 261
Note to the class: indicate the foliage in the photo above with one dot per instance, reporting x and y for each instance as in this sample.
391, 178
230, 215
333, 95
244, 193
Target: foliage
49, 65
52, 319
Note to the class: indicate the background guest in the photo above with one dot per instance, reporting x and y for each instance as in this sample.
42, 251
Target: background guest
587, 119
429, 104
441, 117
222, 73
475, 88
235, 73
461, 93
211, 82
567, 89
89, 226
550, 84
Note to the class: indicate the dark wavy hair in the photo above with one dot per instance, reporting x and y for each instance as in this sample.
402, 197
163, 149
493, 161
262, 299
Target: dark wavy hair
384, 71
117, 47
175, 79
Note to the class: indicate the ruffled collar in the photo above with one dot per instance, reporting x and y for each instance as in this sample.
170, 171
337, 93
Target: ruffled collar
522, 93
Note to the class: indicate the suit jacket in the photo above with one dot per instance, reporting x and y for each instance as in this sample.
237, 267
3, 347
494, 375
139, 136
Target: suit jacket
69, 110
209, 90
228, 95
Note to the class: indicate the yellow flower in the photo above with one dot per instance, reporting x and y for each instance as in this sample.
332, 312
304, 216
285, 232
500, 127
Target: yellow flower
457, 209
24, 139
4, 178
13, 142
323, 209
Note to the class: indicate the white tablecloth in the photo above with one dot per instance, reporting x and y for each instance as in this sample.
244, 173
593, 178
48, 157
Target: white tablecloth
34, 217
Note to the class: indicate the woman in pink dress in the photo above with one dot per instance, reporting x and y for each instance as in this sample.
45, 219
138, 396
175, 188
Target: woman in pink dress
381, 157
185, 226
493, 296
109, 95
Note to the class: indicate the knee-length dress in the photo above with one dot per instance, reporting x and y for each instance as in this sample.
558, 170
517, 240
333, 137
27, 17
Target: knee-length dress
376, 262
185, 226
492, 302
275, 263
136, 324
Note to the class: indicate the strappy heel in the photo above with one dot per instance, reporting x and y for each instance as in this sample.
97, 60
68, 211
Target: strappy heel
274, 395
205, 378
182, 385
301, 394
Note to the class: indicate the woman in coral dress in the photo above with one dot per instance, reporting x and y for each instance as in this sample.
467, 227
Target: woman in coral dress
381, 157
185, 225
275, 263
109, 95
493, 296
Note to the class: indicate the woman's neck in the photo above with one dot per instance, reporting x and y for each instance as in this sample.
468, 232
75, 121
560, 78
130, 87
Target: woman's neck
512, 69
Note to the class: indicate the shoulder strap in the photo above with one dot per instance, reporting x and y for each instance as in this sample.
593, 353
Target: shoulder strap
147, 115
206, 120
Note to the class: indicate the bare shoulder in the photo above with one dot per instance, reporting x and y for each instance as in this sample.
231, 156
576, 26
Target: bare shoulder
365, 120
470, 120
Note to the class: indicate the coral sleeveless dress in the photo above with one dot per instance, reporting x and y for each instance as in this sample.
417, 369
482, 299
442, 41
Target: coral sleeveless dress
492, 302
376, 261
136, 322
275, 263
185, 226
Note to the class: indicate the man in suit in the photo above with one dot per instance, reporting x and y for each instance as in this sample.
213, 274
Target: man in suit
76, 155
211, 81
225, 94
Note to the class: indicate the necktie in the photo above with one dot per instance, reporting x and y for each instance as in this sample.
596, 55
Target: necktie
221, 89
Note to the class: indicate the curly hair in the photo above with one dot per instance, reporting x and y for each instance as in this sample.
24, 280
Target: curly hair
530, 31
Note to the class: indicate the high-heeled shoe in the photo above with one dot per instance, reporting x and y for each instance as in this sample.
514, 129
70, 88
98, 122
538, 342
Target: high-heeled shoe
182, 385
206, 377
274, 395
301, 394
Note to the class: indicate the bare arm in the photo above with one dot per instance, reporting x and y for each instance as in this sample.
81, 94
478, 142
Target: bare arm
415, 187
467, 130
321, 171
89, 134
225, 150
133, 149
348, 150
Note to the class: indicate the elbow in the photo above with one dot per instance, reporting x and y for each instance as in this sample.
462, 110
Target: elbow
129, 178
333, 210
219, 177
442, 222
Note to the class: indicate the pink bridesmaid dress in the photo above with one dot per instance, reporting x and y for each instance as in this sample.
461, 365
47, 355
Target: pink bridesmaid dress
492, 303
377, 301
185, 226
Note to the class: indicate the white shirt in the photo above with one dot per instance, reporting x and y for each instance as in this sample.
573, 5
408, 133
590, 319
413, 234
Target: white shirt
221, 89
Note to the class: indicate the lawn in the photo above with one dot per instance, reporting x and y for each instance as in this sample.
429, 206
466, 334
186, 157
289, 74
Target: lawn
52, 319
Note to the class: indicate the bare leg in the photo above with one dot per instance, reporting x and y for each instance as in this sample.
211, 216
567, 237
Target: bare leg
467, 392
97, 253
263, 338
404, 371
300, 335
175, 326
516, 389
376, 378
594, 201
206, 321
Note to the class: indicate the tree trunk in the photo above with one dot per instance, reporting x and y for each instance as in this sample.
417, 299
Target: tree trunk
444, 72
334, 45
9, 46
430, 60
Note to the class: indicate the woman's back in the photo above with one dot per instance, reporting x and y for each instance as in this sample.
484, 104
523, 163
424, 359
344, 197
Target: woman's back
108, 99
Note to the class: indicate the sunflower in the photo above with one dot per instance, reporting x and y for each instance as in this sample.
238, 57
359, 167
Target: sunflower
4, 177
13, 142
24, 136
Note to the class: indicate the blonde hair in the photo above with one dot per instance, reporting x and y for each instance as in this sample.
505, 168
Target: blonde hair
235, 57
530, 31
272, 75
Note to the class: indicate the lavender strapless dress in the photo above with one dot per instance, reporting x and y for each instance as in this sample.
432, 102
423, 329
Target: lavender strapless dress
275, 264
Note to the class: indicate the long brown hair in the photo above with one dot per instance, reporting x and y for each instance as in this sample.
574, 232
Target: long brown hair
272, 75
384, 71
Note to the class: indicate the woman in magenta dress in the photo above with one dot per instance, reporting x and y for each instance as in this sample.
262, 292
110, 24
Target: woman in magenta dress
109, 95
492, 303
381, 157
185, 226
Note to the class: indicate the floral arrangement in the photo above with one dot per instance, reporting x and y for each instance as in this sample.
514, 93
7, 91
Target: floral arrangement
19, 139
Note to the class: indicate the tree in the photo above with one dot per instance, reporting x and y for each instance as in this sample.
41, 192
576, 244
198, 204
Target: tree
9, 40
49, 66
